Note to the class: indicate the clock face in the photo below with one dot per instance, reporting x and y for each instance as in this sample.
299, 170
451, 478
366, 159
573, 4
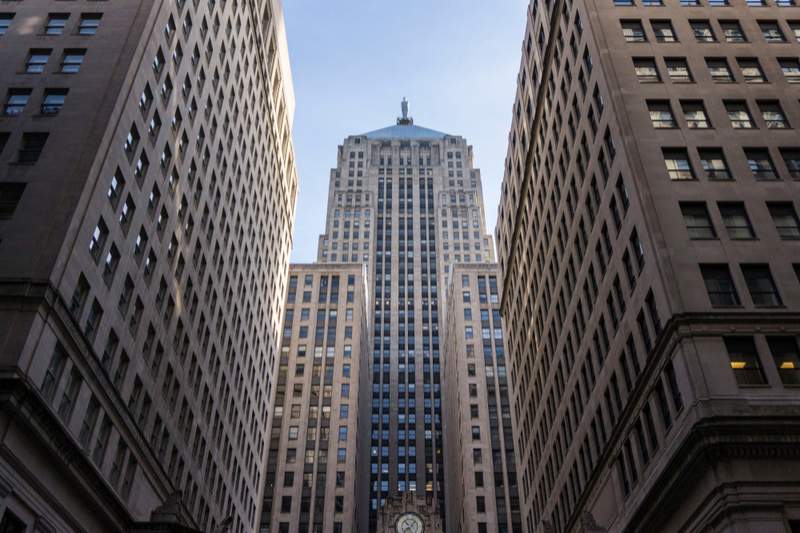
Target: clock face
409, 523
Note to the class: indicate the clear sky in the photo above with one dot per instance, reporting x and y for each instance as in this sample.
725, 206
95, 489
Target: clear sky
353, 60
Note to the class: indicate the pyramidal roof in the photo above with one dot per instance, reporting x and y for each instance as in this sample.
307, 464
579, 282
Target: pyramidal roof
405, 129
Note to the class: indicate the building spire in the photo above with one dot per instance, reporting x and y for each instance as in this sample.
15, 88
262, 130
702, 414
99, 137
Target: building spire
404, 120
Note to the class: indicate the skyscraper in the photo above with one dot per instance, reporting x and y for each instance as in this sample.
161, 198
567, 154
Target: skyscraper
318, 472
406, 201
647, 237
481, 475
147, 188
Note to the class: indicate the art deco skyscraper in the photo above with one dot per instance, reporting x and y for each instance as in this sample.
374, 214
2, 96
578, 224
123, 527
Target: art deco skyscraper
147, 189
406, 201
648, 243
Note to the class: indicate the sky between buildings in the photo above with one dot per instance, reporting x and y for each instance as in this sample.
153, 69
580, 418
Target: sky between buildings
352, 62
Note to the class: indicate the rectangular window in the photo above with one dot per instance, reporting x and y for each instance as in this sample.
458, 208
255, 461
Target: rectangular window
761, 285
677, 162
53, 101
663, 31
56, 22
72, 60
37, 60
661, 114
791, 69
751, 70
744, 361
714, 163
791, 158
16, 101
760, 163
698, 221
646, 70
739, 114
32, 146
633, 31
785, 218
787, 358
10, 195
732, 31
771, 31
719, 70
703, 33
5, 22
773, 115
678, 70
737, 223
719, 284
695, 114
89, 24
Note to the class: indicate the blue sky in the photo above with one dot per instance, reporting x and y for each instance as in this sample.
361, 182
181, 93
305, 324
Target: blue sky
353, 61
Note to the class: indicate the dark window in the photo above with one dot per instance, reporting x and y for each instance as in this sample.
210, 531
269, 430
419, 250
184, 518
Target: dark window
10, 194
734, 216
761, 285
32, 146
791, 157
760, 163
714, 163
744, 360
698, 221
11, 523
786, 221
678, 70
719, 284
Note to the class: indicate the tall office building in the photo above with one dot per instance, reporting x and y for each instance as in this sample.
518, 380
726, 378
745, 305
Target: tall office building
406, 201
481, 479
648, 243
318, 471
147, 190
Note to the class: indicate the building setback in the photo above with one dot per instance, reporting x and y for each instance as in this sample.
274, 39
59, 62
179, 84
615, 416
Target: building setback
407, 202
481, 479
147, 191
317, 476
648, 244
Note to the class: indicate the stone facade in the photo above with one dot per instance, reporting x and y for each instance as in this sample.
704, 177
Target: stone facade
647, 238
409, 513
145, 231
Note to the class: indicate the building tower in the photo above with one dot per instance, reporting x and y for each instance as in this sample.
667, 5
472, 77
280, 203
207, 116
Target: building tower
318, 472
406, 201
648, 243
481, 476
145, 230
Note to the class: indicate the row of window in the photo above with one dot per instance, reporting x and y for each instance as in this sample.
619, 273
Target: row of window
736, 220
678, 70
761, 285
633, 30
58, 24
709, 3
51, 103
679, 166
696, 116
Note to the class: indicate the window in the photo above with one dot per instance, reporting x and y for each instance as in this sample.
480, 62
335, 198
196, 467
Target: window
10, 195
703, 33
714, 163
751, 70
678, 70
53, 101
56, 23
646, 70
794, 26
739, 115
89, 24
787, 358
719, 284
719, 70
11, 523
737, 223
32, 146
762, 287
791, 69
16, 101
5, 22
771, 31
695, 114
677, 163
698, 222
661, 114
732, 31
663, 31
633, 31
744, 361
37, 59
72, 60
760, 163
791, 158
476, 433
773, 115
785, 218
